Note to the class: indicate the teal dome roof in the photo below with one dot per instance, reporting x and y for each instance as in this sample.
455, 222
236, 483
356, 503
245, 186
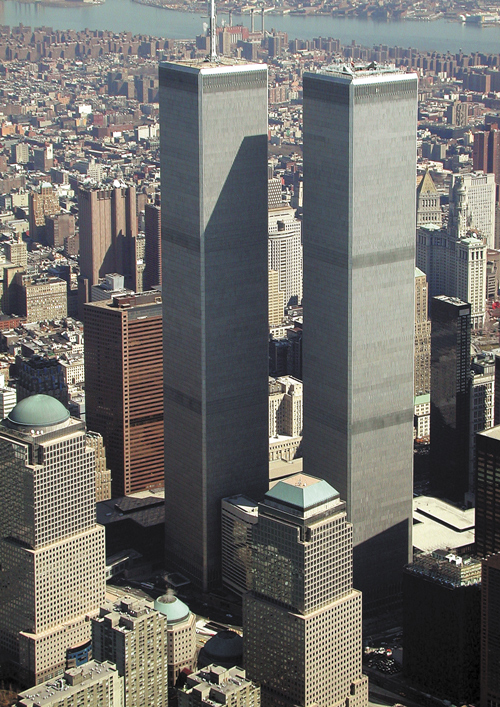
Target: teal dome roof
38, 411
174, 609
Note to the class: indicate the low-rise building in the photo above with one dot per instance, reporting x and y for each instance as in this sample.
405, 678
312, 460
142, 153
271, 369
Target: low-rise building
92, 685
217, 685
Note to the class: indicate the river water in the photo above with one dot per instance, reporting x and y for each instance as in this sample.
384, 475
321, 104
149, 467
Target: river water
125, 15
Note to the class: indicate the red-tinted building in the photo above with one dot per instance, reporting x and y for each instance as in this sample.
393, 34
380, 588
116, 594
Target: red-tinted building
124, 387
486, 151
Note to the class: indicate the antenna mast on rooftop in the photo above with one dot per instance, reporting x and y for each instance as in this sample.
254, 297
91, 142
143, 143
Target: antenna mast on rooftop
213, 32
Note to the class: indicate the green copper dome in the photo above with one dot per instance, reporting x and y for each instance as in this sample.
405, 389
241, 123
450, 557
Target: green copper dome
38, 411
174, 609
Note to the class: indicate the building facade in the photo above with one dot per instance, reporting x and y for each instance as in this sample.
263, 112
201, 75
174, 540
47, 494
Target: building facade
133, 636
285, 251
441, 623
90, 685
455, 267
239, 515
302, 619
358, 280
40, 298
490, 632
218, 685
488, 492
422, 374
124, 386
108, 230
276, 299
450, 390
152, 256
428, 202
478, 190
214, 226
51, 549
181, 635
41, 375
482, 410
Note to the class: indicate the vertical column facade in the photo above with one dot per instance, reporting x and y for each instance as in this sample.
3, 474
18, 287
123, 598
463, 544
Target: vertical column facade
214, 253
359, 240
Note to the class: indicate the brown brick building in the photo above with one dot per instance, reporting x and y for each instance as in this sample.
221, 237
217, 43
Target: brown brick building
124, 387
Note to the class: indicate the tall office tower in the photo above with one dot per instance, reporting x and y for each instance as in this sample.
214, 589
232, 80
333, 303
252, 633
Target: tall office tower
490, 632
428, 202
359, 236
214, 241
310, 650
472, 205
276, 299
285, 251
488, 492
450, 414
124, 387
152, 233
108, 229
133, 636
486, 151
422, 374
481, 412
470, 267
51, 549
441, 624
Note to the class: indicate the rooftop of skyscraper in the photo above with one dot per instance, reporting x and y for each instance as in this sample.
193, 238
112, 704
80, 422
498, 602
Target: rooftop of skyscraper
301, 492
223, 62
365, 71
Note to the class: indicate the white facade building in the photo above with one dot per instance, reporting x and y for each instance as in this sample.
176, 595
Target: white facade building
475, 192
285, 251
8, 399
455, 267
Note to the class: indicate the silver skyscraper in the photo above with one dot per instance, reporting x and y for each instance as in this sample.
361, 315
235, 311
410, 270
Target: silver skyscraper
214, 251
359, 236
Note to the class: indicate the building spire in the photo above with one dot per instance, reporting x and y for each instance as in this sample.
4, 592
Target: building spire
213, 32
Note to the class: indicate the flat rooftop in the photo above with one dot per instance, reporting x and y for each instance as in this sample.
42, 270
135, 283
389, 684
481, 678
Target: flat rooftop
361, 72
492, 433
66, 687
438, 524
222, 65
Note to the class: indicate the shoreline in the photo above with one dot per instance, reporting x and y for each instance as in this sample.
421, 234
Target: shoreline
77, 4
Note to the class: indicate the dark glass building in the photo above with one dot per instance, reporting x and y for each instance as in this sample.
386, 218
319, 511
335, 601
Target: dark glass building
450, 390
488, 492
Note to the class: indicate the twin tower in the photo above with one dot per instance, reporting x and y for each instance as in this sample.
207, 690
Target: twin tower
359, 234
